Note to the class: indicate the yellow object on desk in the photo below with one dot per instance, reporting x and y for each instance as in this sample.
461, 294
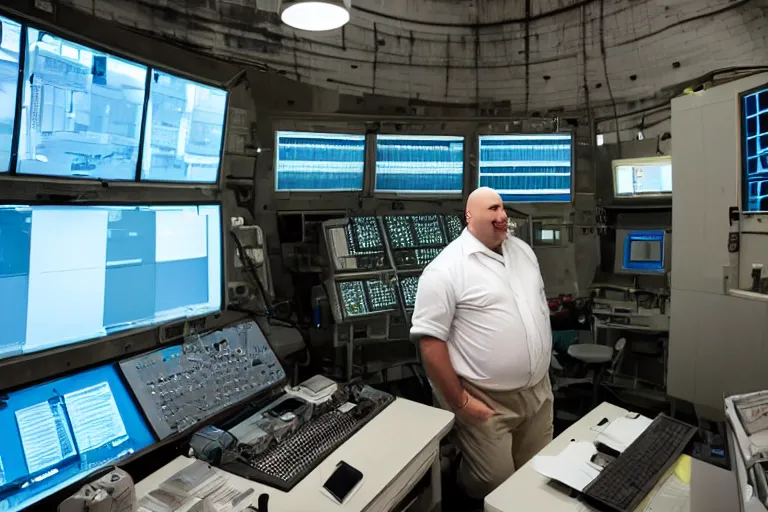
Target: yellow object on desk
672, 491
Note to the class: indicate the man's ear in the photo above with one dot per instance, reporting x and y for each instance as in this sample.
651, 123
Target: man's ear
467, 216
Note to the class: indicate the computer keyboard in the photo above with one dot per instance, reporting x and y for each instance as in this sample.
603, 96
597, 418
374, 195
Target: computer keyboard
284, 460
625, 481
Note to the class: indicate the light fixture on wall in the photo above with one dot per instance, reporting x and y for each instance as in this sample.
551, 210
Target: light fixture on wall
315, 15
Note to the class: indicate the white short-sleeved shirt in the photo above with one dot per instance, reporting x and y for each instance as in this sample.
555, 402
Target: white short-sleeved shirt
490, 309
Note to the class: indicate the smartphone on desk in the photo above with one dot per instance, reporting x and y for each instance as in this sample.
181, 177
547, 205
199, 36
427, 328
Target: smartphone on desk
343, 480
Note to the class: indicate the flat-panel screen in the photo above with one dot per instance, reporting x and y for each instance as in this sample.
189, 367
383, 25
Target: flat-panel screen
10, 49
367, 297
82, 111
75, 273
754, 119
318, 162
642, 177
409, 285
527, 168
183, 131
419, 164
58, 433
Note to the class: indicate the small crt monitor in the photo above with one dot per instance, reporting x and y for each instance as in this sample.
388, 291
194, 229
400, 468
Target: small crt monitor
356, 244
641, 251
60, 432
642, 177
75, 273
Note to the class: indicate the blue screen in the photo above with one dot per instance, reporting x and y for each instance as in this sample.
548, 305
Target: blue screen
184, 130
755, 132
314, 162
74, 273
527, 168
644, 251
57, 433
82, 111
419, 164
10, 45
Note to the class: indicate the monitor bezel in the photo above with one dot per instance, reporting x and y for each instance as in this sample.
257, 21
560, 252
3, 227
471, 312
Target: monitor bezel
12, 174
328, 132
621, 247
572, 136
4, 361
741, 131
419, 193
628, 161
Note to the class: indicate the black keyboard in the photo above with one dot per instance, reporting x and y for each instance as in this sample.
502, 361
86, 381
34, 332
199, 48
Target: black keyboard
285, 462
628, 479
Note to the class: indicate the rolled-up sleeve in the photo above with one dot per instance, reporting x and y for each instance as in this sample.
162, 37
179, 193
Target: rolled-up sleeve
434, 308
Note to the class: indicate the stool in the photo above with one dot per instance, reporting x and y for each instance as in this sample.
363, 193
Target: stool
597, 358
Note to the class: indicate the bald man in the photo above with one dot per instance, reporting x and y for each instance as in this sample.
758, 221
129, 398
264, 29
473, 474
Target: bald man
482, 321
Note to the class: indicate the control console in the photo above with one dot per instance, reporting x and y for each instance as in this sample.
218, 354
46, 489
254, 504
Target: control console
179, 386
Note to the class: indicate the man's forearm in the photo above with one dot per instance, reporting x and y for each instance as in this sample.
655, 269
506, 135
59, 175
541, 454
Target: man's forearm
437, 362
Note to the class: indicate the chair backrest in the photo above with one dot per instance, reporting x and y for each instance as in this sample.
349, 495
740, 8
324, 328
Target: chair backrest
618, 354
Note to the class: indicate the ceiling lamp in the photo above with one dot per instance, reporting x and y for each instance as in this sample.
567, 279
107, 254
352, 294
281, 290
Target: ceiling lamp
315, 15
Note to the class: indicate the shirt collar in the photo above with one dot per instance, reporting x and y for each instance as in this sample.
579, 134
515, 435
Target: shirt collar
472, 245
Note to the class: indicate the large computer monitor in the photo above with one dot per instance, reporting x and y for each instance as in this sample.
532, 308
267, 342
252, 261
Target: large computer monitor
527, 168
754, 136
82, 111
184, 130
318, 162
642, 177
76, 273
642, 251
10, 51
58, 433
419, 164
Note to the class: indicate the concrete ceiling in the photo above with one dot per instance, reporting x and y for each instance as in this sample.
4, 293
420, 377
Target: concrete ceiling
536, 55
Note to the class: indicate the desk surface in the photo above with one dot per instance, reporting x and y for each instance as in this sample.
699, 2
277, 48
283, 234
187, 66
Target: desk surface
528, 490
381, 450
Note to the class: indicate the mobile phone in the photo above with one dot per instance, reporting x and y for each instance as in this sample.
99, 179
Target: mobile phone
342, 481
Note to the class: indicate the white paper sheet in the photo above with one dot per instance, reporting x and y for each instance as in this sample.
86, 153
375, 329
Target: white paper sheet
572, 466
622, 432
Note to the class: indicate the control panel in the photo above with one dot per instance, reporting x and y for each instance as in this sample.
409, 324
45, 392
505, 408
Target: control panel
453, 226
179, 386
415, 239
366, 297
408, 287
356, 244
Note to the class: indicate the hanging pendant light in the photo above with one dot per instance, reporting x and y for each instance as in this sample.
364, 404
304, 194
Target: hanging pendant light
315, 15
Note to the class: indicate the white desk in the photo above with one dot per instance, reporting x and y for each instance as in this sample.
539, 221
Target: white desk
393, 451
528, 490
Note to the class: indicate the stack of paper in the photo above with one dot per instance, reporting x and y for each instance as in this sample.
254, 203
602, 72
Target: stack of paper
622, 432
572, 467
203, 487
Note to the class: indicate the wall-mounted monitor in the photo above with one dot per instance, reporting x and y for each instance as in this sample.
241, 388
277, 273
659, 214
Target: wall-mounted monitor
59, 432
419, 164
318, 162
81, 111
642, 251
10, 50
754, 133
75, 273
642, 177
527, 168
184, 130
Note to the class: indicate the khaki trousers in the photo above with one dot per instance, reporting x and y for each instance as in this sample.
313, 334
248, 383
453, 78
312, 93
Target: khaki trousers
491, 451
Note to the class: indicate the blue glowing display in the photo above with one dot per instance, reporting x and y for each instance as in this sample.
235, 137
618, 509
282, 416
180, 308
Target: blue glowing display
419, 164
527, 168
10, 47
754, 113
317, 162
57, 433
644, 251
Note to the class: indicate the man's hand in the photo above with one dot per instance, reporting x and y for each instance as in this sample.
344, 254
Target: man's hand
475, 410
